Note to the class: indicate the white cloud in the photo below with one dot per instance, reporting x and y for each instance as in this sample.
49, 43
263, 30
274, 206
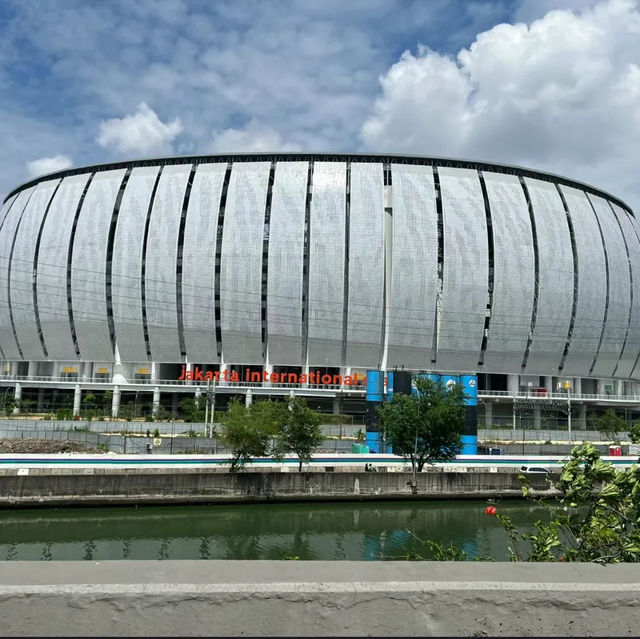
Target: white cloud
140, 133
561, 94
49, 165
253, 138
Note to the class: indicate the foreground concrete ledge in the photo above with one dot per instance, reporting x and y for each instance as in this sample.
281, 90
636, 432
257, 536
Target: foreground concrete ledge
292, 598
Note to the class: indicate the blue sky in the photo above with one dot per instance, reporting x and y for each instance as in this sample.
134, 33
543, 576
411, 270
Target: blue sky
552, 84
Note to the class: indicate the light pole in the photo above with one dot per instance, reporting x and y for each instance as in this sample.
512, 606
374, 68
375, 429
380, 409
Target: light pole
569, 408
414, 483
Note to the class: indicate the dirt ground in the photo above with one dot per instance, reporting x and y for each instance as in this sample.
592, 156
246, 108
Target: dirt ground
44, 446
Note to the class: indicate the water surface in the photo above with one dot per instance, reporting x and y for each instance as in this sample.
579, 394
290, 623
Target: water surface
320, 531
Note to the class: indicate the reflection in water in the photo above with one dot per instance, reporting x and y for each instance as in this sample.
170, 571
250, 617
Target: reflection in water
89, 547
163, 551
203, 550
353, 531
46, 552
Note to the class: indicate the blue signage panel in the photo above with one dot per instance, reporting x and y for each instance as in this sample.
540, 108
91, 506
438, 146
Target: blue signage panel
470, 384
375, 386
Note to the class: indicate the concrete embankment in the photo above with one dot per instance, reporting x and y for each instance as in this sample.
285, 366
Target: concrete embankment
148, 486
317, 598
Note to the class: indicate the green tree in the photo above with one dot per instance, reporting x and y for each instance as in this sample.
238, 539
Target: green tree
89, 403
610, 423
299, 431
192, 410
634, 433
127, 411
425, 426
8, 404
596, 519
249, 430
107, 400
162, 414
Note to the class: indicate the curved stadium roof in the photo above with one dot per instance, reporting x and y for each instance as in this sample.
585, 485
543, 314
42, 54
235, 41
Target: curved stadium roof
333, 260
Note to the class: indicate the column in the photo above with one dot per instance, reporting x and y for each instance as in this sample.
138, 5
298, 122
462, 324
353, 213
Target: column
269, 369
115, 401
577, 386
336, 405
40, 404
18, 397
512, 383
77, 397
32, 371
248, 398
537, 418
488, 414
619, 387
548, 384
582, 417
156, 401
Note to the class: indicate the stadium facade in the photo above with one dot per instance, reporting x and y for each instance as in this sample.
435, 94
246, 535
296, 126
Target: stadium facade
292, 272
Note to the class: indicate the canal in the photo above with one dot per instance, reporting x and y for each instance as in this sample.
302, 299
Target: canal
318, 531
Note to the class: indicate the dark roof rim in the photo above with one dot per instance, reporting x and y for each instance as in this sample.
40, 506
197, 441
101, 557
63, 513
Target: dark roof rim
512, 169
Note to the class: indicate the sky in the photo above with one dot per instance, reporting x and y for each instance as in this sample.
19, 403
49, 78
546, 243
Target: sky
552, 85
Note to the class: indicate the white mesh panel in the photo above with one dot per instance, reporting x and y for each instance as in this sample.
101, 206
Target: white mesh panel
617, 321
198, 263
414, 271
241, 263
127, 264
7, 233
592, 284
160, 273
284, 275
366, 266
555, 279
21, 295
53, 308
465, 276
88, 266
514, 274
326, 264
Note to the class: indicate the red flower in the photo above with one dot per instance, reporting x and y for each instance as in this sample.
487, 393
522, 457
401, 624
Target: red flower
490, 510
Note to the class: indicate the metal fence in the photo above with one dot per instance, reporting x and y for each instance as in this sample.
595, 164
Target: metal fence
523, 434
136, 444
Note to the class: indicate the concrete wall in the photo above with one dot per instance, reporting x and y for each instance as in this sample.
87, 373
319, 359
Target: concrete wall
317, 598
62, 486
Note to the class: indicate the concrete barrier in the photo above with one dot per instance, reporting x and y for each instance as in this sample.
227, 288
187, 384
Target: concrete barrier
317, 598
61, 486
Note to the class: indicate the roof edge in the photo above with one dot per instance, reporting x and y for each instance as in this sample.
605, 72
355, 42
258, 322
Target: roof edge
496, 167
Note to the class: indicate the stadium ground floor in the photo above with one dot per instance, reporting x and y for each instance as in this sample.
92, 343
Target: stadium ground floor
68, 390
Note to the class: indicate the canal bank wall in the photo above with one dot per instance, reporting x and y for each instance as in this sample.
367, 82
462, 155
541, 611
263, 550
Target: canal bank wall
318, 598
64, 487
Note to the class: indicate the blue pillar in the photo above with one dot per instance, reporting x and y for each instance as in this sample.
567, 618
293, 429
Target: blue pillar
375, 396
470, 437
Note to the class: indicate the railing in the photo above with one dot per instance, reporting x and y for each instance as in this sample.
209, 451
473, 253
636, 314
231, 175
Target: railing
488, 394
176, 382
538, 395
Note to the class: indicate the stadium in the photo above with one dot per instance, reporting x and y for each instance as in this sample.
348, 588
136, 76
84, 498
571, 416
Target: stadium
276, 273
